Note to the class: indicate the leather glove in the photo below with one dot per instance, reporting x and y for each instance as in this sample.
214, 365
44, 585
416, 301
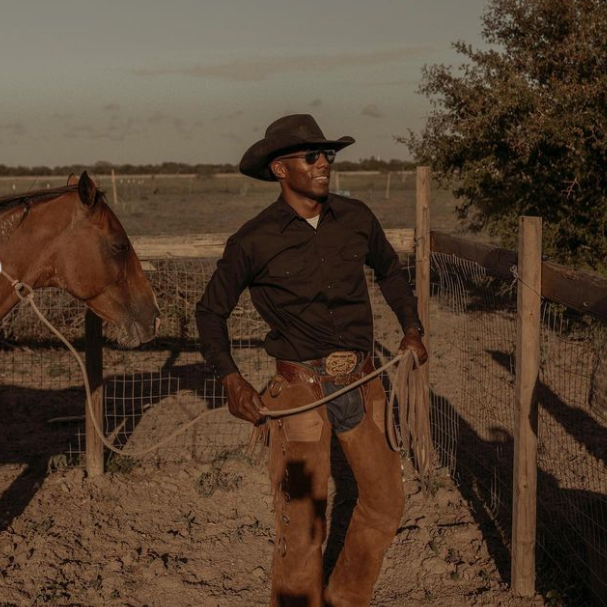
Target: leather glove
413, 341
244, 401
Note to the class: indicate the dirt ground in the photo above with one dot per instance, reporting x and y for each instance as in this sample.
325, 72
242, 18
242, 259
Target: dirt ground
194, 534
200, 535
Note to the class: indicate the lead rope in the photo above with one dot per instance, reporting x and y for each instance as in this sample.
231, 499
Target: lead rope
355, 384
26, 293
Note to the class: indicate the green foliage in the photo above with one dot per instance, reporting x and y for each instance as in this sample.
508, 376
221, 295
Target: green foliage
521, 127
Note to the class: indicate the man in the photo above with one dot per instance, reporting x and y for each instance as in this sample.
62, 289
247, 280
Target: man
303, 259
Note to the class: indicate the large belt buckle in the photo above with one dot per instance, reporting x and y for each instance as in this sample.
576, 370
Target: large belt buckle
339, 365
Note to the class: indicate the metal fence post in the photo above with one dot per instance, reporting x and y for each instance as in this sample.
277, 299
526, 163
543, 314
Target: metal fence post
422, 262
94, 370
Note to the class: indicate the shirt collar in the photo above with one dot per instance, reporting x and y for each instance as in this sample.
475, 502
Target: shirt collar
286, 214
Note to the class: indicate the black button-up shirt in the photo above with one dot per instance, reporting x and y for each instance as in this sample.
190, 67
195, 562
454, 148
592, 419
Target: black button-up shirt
307, 284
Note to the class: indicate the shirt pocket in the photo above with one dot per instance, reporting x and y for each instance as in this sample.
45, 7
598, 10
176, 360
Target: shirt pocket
286, 267
352, 260
353, 252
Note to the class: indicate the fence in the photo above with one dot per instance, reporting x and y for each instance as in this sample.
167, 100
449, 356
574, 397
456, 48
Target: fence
473, 321
474, 316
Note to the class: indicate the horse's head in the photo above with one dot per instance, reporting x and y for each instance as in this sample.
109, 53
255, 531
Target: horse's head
93, 260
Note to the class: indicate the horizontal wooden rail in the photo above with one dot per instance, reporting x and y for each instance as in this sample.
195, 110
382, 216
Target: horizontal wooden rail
576, 290
212, 245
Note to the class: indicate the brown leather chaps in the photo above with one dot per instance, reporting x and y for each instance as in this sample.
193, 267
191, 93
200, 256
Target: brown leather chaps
299, 472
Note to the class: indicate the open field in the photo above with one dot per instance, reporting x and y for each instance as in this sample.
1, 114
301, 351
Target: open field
197, 205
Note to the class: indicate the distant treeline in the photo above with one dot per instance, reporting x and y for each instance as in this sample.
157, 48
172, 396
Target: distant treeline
172, 168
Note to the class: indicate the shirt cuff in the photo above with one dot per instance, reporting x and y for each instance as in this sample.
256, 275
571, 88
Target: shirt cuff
223, 364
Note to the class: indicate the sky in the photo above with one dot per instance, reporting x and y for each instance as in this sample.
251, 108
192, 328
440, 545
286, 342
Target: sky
145, 81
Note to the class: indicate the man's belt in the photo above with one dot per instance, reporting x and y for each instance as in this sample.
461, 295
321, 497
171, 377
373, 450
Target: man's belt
339, 368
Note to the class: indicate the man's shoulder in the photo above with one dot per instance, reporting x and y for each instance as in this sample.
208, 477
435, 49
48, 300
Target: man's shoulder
266, 220
347, 204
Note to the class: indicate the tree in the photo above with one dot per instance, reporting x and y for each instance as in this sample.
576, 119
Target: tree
521, 127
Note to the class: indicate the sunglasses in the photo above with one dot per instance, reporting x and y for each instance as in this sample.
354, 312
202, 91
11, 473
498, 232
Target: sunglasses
312, 156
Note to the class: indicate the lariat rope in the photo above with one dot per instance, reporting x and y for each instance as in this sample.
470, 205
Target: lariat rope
344, 390
412, 398
25, 292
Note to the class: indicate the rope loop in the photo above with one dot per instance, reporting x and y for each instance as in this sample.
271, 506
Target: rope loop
23, 291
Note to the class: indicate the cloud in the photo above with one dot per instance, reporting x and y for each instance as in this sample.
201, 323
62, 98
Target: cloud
230, 116
87, 131
119, 128
260, 68
232, 137
403, 82
315, 103
63, 116
371, 110
13, 129
111, 107
12, 132
157, 118
178, 124
115, 130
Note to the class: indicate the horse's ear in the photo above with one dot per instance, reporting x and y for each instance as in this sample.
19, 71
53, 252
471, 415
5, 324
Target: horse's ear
87, 189
72, 179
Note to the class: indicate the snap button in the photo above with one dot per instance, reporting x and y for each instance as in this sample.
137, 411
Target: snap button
275, 387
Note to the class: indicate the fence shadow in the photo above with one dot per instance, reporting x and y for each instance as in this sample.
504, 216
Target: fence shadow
571, 522
29, 438
21, 406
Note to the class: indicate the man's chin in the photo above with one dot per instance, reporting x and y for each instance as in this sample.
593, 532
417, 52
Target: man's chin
321, 194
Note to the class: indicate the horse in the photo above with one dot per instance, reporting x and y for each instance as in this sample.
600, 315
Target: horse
68, 237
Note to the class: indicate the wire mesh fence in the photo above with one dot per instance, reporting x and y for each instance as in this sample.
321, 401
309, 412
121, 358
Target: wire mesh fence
151, 391
473, 398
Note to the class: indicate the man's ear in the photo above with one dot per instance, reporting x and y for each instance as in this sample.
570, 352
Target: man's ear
278, 169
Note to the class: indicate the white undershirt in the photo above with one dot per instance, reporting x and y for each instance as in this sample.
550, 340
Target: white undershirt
313, 221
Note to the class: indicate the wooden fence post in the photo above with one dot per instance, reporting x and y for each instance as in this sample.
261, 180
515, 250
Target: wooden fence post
524, 505
114, 191
388, 179
422, 260
94, 370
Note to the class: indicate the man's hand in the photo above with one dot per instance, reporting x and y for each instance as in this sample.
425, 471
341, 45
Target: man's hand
243, 400
413, 341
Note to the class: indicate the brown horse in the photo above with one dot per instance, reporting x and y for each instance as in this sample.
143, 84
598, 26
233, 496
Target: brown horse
69, 238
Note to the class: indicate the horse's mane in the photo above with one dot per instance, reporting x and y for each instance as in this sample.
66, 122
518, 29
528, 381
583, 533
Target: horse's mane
13, 200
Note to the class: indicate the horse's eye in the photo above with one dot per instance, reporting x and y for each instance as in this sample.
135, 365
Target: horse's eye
120, 247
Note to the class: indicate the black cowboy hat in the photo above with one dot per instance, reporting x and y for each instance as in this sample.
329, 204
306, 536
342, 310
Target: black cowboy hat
287, 134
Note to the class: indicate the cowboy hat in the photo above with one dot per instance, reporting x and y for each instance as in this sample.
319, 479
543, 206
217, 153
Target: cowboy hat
286, 134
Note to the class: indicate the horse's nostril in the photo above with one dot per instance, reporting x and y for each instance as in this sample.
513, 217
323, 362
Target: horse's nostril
156, 324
